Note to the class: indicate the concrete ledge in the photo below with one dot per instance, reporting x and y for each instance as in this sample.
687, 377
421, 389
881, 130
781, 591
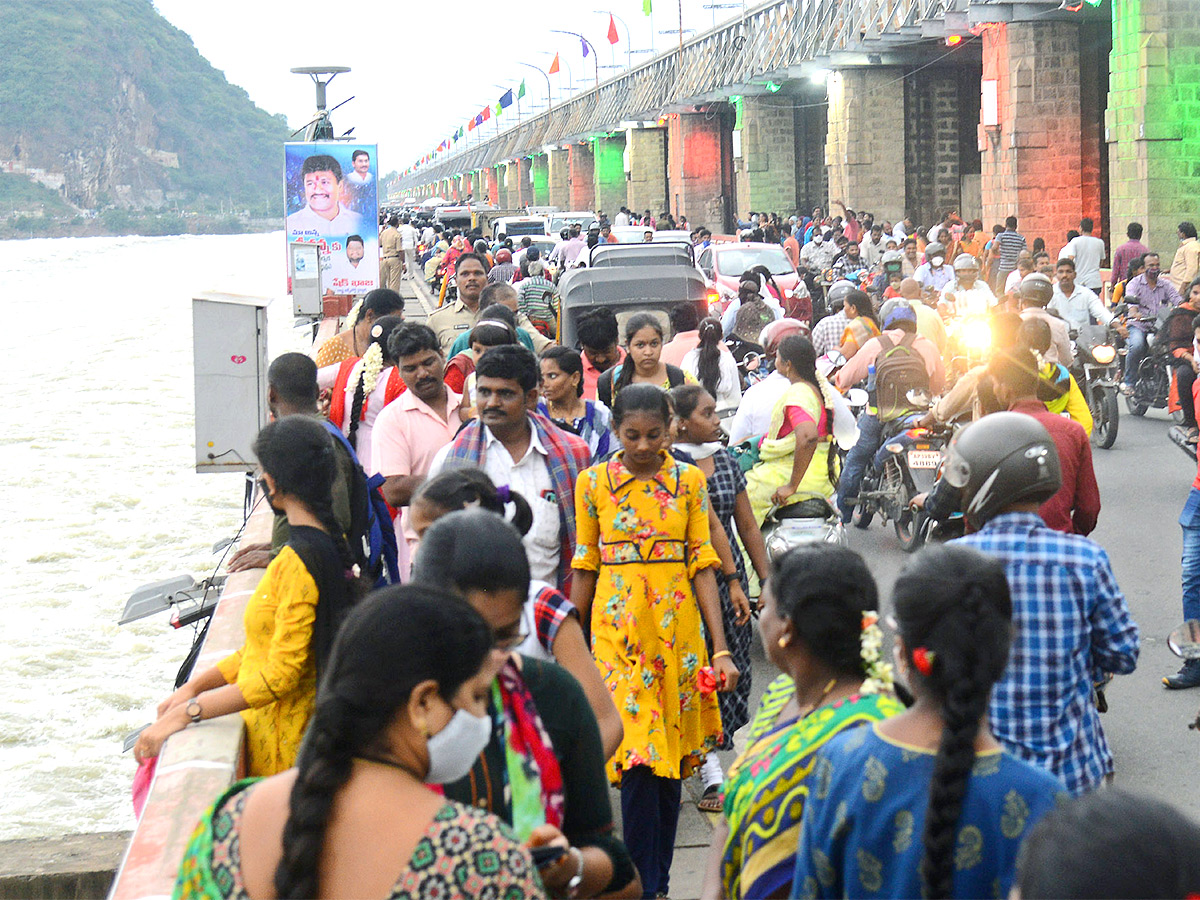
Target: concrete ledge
74, 866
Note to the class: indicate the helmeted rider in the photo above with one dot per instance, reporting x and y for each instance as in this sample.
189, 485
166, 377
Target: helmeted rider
934, 274
967, 294
1070, 619
1036, 292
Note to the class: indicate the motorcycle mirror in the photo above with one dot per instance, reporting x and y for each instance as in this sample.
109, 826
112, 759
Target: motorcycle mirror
1184, 641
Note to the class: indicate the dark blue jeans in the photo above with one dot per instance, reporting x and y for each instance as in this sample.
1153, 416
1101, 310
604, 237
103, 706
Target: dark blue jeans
1136, 351
649, 818
1189, 520
870, 435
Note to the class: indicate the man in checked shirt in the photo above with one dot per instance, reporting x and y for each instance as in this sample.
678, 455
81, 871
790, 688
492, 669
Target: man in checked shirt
1071, 624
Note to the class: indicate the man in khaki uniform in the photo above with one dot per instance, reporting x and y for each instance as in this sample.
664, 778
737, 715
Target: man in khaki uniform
454, 318
390, 265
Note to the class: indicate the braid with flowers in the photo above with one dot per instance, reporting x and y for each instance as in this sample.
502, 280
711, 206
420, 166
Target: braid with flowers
878, 672
368, 371
352, 316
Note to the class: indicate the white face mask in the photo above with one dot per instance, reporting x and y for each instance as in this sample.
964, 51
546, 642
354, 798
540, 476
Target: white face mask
817, 239
454, 749
937, 261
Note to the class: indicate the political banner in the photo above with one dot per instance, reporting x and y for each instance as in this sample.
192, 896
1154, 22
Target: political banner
332, 201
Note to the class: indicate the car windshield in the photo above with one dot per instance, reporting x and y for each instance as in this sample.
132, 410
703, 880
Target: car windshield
735, 261
511, 228
558, 223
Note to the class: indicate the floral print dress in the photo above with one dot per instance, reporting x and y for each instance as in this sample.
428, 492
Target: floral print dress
647, 539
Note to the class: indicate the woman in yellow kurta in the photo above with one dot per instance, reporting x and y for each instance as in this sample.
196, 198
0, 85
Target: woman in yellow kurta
794, 462
642, 543
272, 679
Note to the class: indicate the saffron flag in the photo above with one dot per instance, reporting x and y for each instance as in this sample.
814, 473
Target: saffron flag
613, 37
554, 65
647, 9
584, 44
521, 89
506, 99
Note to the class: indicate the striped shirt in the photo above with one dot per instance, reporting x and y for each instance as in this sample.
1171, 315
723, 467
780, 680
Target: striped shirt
1011, 245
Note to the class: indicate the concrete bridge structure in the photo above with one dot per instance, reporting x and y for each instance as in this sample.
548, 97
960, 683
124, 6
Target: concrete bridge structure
1042, 109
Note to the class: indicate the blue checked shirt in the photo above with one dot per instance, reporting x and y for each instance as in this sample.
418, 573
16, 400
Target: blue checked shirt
1071, 625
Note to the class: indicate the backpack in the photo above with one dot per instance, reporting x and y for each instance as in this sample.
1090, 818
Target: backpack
899, 368
372, 535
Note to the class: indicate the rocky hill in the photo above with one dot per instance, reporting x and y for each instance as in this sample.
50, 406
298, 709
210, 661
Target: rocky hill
109, 104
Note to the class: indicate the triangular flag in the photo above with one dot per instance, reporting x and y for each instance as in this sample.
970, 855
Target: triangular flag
613, 37
646, 8
521, 89
506, 99
554, 65
584, 44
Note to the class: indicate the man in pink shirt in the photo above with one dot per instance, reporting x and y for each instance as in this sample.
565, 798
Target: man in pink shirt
416, 425
685, 323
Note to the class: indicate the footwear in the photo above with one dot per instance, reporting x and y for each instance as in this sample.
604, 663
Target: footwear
1187, 677
713, 799
1126, 389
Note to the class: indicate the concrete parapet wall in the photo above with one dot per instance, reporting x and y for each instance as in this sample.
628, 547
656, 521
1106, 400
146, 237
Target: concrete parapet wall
75, 865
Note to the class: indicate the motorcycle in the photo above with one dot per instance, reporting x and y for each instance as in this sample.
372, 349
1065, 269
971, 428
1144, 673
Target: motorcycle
906, 464
1096, 360
1152, 386
968, 340
811, 521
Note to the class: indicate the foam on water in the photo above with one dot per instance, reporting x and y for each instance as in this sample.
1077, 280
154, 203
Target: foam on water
100, 496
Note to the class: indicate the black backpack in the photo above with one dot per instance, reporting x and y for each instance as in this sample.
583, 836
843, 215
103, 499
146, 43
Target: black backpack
899, 368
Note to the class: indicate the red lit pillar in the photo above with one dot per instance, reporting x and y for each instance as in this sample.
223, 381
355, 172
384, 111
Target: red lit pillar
700, 168
493, 185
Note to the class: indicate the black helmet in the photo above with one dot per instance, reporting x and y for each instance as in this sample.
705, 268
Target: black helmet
838, 291
1002, 459
1037, 289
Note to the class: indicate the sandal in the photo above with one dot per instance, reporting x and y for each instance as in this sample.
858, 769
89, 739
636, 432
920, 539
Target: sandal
713, 799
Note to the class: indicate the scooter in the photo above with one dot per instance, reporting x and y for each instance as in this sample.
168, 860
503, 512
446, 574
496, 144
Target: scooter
811, 521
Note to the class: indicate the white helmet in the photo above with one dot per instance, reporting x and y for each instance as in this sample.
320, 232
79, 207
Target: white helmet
965, 261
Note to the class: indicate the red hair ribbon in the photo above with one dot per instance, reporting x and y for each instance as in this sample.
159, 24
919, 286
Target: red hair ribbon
923, 661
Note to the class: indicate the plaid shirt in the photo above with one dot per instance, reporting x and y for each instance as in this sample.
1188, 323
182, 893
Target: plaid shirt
566, 456
1071, 625
827, 334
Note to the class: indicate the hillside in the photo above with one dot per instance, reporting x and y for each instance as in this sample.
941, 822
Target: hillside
116, 99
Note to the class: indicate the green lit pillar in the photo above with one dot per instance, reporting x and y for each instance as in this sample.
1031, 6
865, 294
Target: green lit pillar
1152, 124
608, 171
540, 177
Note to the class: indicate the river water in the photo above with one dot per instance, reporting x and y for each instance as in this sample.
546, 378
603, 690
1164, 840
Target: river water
100, 497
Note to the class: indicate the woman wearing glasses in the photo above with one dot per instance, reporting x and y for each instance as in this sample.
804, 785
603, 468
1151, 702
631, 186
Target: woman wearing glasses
543, 769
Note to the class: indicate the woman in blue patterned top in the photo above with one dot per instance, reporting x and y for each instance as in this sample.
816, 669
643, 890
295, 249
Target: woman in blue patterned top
928, 803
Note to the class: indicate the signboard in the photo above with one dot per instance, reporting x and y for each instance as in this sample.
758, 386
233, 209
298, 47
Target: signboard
332, 202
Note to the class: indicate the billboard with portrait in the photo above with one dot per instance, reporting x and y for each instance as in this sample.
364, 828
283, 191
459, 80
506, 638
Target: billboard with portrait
332, 202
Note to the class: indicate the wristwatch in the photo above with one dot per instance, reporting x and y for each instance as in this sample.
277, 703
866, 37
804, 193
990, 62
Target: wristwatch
193, 710
577, 878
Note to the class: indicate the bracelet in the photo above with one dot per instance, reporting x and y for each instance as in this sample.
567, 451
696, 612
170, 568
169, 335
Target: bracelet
721, 653
730, 577
577, 878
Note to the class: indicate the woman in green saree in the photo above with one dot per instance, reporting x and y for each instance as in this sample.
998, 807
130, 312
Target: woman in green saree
794, 460
819, 627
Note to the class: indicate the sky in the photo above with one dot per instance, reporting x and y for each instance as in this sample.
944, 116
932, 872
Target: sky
417, 74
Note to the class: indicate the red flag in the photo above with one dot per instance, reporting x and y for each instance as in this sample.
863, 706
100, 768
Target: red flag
613, 37
487, 113
554, 65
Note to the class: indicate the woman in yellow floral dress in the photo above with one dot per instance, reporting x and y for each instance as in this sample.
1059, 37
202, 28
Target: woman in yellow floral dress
642, 543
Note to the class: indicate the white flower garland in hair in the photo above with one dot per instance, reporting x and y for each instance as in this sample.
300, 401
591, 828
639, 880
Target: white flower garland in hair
372, 366
878, 672
352, 316
827, 390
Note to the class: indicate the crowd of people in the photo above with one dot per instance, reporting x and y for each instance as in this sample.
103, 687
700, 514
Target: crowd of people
579, 562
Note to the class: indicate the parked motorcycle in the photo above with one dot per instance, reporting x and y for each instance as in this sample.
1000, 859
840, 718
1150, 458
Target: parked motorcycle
1096, 361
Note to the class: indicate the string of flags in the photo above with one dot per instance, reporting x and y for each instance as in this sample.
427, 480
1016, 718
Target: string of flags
508, 98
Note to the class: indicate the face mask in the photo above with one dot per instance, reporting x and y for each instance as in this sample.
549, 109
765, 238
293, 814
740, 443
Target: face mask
454, 749
817, 239
937, 261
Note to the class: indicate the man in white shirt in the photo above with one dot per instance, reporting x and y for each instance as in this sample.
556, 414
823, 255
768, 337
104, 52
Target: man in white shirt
621, 218
323, 213
408, 246
817, 255
874, 246
1088, 253
1036, 292
524, 452
347, 274
967, 294
1075, 303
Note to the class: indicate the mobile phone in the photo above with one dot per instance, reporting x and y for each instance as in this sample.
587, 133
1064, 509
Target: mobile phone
547, 855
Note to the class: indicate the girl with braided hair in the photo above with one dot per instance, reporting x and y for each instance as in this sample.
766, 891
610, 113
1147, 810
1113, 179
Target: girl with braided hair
362, 387
928, 804
291, 619
402, 706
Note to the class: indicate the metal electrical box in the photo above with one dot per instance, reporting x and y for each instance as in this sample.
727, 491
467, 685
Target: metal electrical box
304, 265
229, 345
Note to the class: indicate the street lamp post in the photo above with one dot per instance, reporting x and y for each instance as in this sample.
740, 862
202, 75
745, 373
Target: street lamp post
549, 93
570, 75
595, 57
628, 37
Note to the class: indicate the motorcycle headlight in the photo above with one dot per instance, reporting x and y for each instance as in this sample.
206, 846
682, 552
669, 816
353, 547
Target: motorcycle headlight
1104, 354
977, 335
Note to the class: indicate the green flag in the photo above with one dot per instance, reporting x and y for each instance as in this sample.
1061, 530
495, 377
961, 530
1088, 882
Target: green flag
499, 108
521, 89
646, 8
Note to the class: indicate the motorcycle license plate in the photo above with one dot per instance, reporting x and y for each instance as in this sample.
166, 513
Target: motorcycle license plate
924, 459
